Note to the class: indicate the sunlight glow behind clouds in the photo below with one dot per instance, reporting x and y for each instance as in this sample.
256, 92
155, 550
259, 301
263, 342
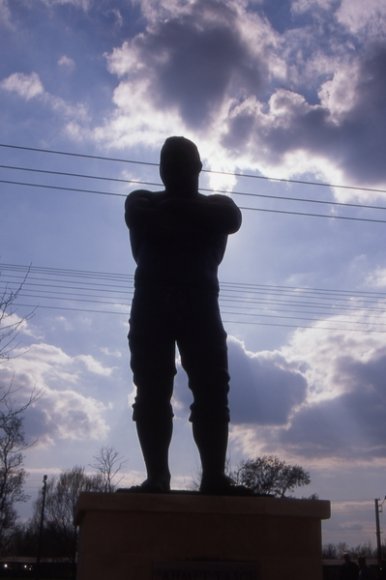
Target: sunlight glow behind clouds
174, 67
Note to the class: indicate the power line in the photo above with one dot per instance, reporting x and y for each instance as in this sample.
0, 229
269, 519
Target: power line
88, 290
244, 308
240, 298
63, 271
225, 321
80, 155
291, 317
266, 210
61, 188
305, 289
22, 269
209, 190
309, 214
229, 173
69, 174
277, 304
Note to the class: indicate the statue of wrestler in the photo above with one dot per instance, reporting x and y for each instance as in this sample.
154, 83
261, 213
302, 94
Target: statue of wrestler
178, 238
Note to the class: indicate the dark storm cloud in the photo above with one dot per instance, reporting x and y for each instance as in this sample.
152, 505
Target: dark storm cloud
37, 423
355, 141
365, 127
194, 59
352, 425
197, 75
264, 387
217, 64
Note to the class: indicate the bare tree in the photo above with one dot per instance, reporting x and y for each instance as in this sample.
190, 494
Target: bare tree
63, 492
10, 323
268, 475
12, 438
108, 463
61, 497
12, 473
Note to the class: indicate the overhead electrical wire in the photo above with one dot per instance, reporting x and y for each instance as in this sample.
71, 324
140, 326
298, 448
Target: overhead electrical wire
20, 270
59, 187
286, 212
230, 173
158, 184
68, 287
240, 298
126, 277
225, 321
244, 307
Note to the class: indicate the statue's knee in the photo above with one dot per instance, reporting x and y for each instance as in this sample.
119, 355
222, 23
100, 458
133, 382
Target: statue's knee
149, 410
215, 414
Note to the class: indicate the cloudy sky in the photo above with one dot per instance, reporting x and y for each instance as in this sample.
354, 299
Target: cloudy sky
286, 102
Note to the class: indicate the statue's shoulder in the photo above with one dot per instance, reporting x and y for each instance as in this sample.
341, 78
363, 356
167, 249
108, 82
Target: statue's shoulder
217, 198
142, 195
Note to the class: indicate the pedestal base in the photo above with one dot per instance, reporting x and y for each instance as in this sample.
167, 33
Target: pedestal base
182, 536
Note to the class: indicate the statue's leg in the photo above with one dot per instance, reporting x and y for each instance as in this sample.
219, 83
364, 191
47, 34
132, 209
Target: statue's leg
154, 435
211, 439
153, 365
203, 351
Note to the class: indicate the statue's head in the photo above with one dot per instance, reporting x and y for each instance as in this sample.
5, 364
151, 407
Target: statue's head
180, 163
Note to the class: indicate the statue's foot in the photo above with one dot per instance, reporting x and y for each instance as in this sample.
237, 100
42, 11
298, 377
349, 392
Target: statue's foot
224, 486
148, 486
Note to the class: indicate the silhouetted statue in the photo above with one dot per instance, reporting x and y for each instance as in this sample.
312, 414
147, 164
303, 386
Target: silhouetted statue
178, 238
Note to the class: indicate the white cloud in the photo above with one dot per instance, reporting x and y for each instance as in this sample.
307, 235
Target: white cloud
265, 387
135, 121
65, 415
82, 4
186, 69
93, 365
153, 10
27, 86
124, 60
301, 6
109, 352
209, 70
363, 17
343, 415
64, 408
66, 63
338, 94
175, 76
117, 17
377, 279
349, 138
13, 328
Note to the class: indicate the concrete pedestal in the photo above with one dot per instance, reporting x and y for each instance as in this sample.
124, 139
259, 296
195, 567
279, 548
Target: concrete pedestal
182, 536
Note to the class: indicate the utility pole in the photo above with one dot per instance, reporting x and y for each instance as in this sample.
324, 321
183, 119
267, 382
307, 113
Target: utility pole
378, 509
39, 550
